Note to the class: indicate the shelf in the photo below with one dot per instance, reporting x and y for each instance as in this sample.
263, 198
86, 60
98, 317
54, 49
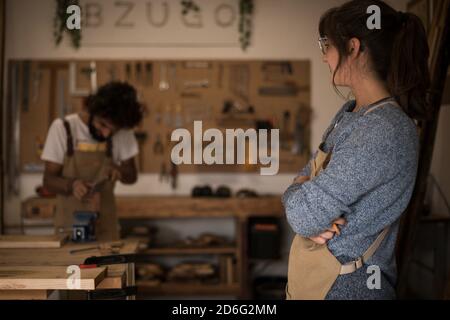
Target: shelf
190, 251
191, 289
162, 207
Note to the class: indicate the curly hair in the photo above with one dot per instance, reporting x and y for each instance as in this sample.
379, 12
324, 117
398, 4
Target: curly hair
117, 102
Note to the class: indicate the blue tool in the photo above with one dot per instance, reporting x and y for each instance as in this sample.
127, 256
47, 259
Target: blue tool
84, 226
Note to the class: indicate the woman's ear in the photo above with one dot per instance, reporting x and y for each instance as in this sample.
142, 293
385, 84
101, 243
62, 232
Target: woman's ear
354, 47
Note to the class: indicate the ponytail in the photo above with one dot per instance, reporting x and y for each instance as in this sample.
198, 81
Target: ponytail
409, 76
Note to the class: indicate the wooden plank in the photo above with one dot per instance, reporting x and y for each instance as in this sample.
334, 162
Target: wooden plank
2, 116
56, 256
25, 294
47, 278
32, 242
190, 251
186, 207
115, 277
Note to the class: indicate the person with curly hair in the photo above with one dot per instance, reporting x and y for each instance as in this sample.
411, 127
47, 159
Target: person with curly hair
85, 153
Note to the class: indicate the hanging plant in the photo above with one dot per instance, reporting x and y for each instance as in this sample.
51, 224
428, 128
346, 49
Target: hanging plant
245, 22
245, 18
59, 24
189, 5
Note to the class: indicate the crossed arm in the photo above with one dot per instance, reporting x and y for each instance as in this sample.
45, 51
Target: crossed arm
328, 234
364, 161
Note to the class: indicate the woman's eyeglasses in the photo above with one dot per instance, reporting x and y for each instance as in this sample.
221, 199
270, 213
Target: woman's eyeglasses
323, 44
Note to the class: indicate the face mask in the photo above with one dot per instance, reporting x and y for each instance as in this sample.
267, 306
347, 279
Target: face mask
94, 132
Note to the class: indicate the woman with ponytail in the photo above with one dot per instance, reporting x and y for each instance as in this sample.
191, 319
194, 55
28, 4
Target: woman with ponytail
345, 205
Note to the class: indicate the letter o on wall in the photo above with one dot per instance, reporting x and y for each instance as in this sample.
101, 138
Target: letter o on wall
225, 15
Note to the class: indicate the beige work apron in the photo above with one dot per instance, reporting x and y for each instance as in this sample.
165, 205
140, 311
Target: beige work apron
312, 268
89, 166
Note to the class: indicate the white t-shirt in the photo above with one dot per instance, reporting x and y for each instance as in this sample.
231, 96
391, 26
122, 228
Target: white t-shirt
124, 142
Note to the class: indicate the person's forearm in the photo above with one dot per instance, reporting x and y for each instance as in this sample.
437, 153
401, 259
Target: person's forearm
59, 185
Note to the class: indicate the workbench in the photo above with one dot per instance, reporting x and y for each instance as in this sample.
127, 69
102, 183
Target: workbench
147, 208
37, 273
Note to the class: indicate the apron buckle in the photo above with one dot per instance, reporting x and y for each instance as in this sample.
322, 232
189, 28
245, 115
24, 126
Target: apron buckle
352, 266
358, 263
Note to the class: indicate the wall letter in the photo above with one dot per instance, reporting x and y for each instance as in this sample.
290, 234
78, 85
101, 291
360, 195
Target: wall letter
165, 16
128, 7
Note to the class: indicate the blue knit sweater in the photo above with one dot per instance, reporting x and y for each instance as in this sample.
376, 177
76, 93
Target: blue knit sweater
369, 181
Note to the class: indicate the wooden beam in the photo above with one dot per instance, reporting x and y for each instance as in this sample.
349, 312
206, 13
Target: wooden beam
2, 132
25, 294
47, 278
32, 242
187, 207
56, 256
115, 277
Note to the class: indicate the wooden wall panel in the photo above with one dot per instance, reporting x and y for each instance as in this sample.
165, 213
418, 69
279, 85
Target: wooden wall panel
172, 104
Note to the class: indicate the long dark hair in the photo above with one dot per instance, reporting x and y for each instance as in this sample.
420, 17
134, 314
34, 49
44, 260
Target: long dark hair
398, 52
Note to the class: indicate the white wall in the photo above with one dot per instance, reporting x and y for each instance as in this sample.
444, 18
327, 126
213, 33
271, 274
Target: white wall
283, 29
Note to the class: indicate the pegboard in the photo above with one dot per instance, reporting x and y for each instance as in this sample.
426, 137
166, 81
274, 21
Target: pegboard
176, 93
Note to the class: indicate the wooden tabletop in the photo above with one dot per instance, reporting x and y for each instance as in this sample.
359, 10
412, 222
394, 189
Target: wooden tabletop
14, 263
48, 278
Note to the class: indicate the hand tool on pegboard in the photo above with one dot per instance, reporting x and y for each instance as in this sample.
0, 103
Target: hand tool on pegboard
158, 147
163, 82
138, 72
149, 74
37, 79
128, 72
174, 176
26, 75
112, 72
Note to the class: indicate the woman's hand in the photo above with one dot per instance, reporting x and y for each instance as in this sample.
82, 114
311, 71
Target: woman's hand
301, 179
323, 238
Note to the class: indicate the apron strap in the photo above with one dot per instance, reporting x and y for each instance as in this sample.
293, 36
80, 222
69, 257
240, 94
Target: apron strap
358, 263
69, 138
380, 105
